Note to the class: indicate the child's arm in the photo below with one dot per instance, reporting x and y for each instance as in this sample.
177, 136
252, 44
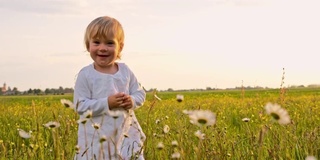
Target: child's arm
82, 98
138, 95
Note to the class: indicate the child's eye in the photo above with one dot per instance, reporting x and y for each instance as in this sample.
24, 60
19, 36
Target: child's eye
110, 42
96, 42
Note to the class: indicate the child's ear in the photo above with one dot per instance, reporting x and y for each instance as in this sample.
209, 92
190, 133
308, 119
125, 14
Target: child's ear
121, 47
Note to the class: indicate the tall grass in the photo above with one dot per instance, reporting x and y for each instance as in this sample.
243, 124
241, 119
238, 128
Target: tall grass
229, 138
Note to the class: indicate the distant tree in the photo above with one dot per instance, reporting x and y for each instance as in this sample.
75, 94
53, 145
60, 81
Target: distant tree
170, 89
30, 91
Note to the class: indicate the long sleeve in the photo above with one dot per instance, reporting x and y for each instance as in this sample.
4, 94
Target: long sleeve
136, 91
83, 97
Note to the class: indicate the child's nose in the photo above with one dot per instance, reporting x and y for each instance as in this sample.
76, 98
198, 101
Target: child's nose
103, 47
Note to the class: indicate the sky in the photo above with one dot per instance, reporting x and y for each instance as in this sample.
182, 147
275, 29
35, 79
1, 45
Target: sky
179, 44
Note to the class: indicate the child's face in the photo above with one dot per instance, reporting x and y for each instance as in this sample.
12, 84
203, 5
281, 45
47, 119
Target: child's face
104, 52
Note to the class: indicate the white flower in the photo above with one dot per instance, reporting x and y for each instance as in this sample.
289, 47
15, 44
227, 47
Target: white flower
116, 113
160, 146
199, 134
180, 98
67, 103
166, 129
24, 134
157, 121
279, 114
52, 124
88, 114
311, 158
202, 117
83, 120
96, 125
175, 155
103, 138
174, 143
245, 119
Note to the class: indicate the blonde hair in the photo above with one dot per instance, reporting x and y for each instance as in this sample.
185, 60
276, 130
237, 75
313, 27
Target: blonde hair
104, 28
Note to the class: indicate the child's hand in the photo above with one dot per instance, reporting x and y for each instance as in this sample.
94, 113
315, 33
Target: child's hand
120, 100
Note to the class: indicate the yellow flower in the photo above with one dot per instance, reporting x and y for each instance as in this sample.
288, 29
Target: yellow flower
279, 114
202, 117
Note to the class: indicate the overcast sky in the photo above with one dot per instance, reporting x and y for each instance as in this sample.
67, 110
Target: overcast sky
179, 44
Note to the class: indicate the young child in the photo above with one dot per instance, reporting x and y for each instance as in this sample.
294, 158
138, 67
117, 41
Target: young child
106, 93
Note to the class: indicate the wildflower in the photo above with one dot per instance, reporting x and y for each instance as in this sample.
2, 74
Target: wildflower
96, 125
174, 143
180, 98
88, 114
103, 139
116, 113
67, 103
157, 121
278, 113
52, 124
245, 119
311, 158
175, 155
199, 134
160, 146
24, 134
83, 120
166, 129
77, 149
202, 118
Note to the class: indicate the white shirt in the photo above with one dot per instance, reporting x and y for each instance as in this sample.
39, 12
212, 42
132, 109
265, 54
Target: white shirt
124, 134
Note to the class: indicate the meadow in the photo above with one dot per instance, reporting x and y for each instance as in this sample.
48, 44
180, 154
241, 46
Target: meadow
242, 129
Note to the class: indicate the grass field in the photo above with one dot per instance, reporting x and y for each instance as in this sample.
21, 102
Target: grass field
258, 136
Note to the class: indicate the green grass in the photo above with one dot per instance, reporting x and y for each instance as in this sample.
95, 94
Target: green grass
229, 138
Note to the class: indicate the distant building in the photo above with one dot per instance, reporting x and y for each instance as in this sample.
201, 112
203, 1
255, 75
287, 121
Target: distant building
4, 88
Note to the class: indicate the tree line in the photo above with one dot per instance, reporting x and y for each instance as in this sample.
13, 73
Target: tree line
37, 91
